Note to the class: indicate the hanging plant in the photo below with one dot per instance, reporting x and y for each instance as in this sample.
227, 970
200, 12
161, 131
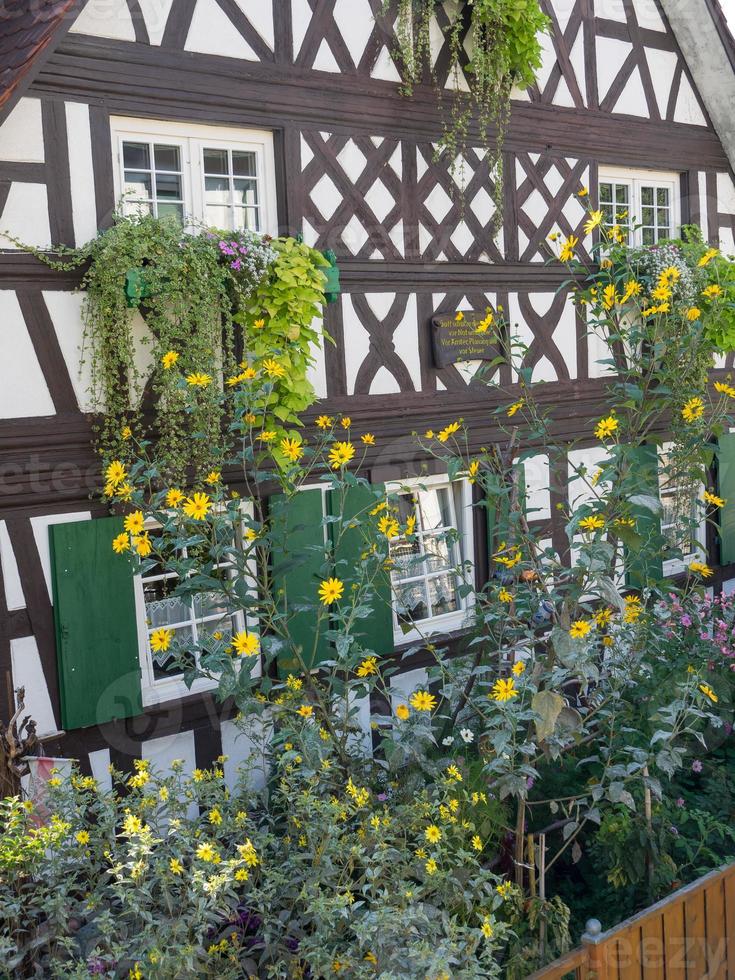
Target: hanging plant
502, 37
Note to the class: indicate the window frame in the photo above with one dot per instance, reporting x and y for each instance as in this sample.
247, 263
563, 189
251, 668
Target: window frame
636, 179
155, 690
676, 566
193, 140
461, 493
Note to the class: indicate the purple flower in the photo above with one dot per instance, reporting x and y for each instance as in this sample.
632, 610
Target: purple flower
529, 782
686, 620
97, 965
382, 797
673, 831
697, 765
680, 802
236, 265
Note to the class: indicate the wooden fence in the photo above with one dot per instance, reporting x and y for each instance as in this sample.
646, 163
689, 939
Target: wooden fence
688, 936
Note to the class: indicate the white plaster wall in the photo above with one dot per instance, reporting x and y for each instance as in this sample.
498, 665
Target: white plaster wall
14, 597
24, 392
25, 216
84, 209
21, 135
65, 310
40, 526
28, 673
105, 18
212, 32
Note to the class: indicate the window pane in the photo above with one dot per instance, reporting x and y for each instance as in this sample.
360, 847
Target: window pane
647, 195
162, 609
211, 604
167, 158
215, 162
246, 192
434, 508
605, 193
648, 236
217, 190
437, 551
248, 218
662, 218
443, 595
137, 184
219, 217
621, 194
662, 196
171, 210
647, 216
137, 207
136, 156
411, 603
243, 163
168, 186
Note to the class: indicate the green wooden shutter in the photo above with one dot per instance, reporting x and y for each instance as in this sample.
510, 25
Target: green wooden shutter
726, 489
297, 573
499, 526
376, 631
96, 630
645, 565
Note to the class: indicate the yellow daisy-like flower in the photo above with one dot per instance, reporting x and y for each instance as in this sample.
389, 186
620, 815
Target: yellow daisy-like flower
161, 639
503, 690
713, 499
476, 842
692, 410
582, 192
487, 929
725, 389
273, 369
505, 596
592, 222
593, 523
368, 667
331, 590
706, 690
606, 427
197, 506
126, 432
121, 543
198, 379
700, 568
504, 889
422, 701
389, 526
259, 323
515, 407
632, 288
579, 629
433, 834
246, 644
609, 297
602, 617
324, 422
292, 449
459, 317
708, 256
267, 435
82, 836
306, 711
174, 497
134, 522
448, 431
115, 473
429, 434
124, 491
712, 291
213, 478
567, 249
205, 852
175, 866
142, 544
402, 712
518, 668
169, 359
345, 422
340, 454
431, 866
661, 293
368, 439
693, 313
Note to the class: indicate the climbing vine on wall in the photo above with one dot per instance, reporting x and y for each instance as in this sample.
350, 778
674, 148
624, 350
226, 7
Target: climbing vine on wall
504, 50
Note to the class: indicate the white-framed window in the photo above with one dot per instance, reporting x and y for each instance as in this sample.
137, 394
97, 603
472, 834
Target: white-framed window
156, 607
221, 176
683, 524
426, 573
648, 199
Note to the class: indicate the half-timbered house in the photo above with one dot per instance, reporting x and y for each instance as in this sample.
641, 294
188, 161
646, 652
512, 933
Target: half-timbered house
292, 109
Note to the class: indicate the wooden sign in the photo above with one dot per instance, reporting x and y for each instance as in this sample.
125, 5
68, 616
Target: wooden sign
458, 339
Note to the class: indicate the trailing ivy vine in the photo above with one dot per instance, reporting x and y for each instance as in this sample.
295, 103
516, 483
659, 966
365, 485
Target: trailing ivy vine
504, 50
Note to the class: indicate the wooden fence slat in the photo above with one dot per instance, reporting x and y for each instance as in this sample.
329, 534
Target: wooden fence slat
696, 944
576, 961
714, 900
729, 884
628, 958
675, 942
652, 948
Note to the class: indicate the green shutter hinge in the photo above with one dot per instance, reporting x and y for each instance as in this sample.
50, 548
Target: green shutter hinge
332, 287
136, 287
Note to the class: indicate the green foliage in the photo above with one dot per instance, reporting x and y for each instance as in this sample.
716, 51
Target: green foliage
505, 51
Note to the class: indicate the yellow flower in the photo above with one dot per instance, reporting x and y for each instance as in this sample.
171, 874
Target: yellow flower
294, 683
134, 522
711, 291
606, 427
205, 852
169, 359
242, 874
592, 222
213, 477
368, 666
582, 192
567, 249
175, 866
324, 422
142, 544
704, 688
693, 410
632, 288
618, 235
429, 434
693, 313
345, 422
503, 690
487, 929
292, 449
273, 369
453, 774
433, 834
306, 711
699, 568
82, 836
246, 644
593, 523
161, 639
448, 431
431, 866
505, 596
708, 256
484, 325
579, 628
197, 506
459, 317
515, 407
124, 491
340, 454
725, 389
197, 379
368, 439
174, 498
504, 889
259, 323
371, 958
331, 590
609, 296
714, 500
633, 609
422, 701
518, 668
267, 435
135, 973
121, 543
214, 817
477, 842
661, 293
602, 617
402, 712
126, 433
388, 526
554, 236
